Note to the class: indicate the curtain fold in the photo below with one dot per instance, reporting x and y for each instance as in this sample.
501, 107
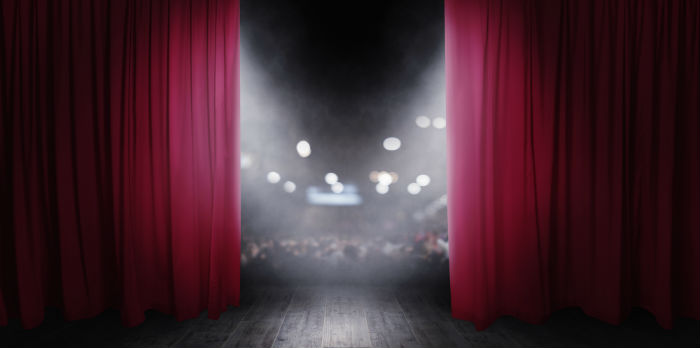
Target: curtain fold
573, 158
120, 157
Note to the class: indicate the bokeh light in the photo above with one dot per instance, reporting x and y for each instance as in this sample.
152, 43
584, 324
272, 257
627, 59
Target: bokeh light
394, 177
337, 187
422, 121
385, 178
423, 180
304, 148
392, 143
374, 176
331, 178
273, 177
382, 189
439, 122
289, 186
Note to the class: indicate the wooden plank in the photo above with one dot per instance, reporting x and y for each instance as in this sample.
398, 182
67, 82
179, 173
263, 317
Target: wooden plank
271, 304
211, 333
430, 327
529, 335
382, 300
257, 333
158, 330
207, 332
491, 337
346, 324
262, 323
303, 324
494, 336
301, 329
386, 321
390, 329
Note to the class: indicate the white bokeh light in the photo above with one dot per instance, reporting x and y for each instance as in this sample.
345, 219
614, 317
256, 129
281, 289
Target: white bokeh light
273, 177
423, 180
382, 189
422, 121
304, 148
331, 178
337, 187
439, 122
413, 188
289, 186
385, 178
392, 143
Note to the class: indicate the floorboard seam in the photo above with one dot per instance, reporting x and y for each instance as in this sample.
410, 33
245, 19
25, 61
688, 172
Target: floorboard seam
405, 317
325, 305
238, 324
284, 316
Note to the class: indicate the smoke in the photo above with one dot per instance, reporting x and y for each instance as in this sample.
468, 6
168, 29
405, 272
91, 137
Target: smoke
342, 80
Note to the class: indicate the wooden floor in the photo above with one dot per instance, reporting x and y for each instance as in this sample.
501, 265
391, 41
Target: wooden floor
336, 316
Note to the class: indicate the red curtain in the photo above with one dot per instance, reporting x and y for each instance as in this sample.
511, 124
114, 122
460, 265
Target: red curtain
573, 158
120, 181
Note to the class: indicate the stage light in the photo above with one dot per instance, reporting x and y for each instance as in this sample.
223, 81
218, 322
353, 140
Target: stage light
273, 177
392, 143
439, 122
384, 178
423, 180
316, 196
337, 187
331, 178
289, 186
304, 148
246, 161
382, 189
422, 121
374, 176
413, 188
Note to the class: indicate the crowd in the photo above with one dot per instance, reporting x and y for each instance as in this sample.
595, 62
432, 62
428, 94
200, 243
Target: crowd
328, 256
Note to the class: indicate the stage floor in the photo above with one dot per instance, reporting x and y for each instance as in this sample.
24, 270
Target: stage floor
348, 316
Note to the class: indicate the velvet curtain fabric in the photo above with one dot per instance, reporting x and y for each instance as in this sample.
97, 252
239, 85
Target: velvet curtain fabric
573, 158
120, 157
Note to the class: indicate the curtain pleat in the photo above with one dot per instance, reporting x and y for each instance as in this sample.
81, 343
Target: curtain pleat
120, 152
573, 158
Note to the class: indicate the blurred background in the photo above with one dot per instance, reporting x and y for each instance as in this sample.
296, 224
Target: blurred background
343, 142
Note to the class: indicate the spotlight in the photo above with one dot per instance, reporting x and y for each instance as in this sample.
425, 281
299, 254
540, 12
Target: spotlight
331, 178
385, 178
304, 148
413, 188
392, 143
273, 177
422, 121
423, 180
374, 176
439, 122
337, 187
382, 189
289, 186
